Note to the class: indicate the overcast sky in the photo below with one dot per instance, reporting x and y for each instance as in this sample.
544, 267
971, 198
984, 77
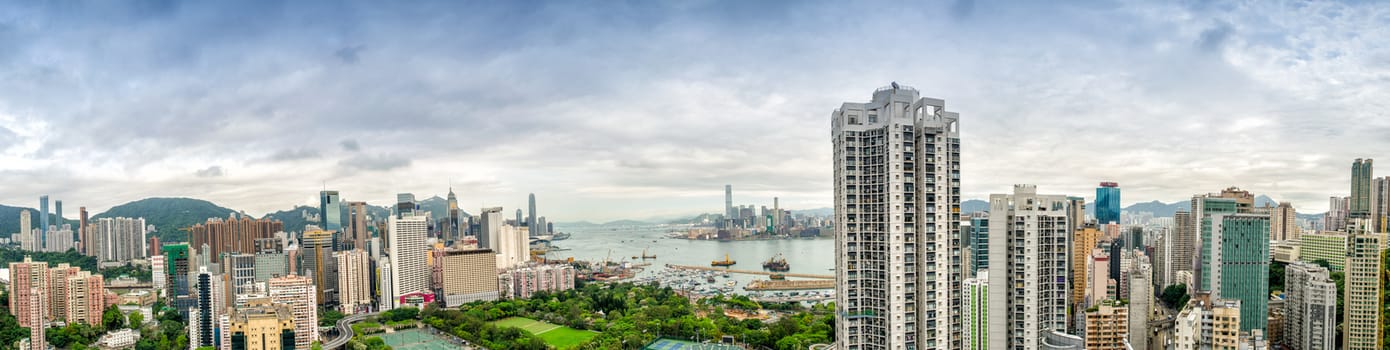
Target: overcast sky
610, 110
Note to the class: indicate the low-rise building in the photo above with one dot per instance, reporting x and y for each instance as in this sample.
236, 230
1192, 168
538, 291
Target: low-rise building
119, 339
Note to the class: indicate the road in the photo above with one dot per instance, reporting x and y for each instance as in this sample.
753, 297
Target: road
345, 330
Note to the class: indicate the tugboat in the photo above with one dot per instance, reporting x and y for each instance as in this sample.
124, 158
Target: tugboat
725, 262
777, 263
645, 256
778, 277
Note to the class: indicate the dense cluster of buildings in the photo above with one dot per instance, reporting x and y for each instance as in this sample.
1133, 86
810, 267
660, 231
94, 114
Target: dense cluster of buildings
247, 283
1036, 271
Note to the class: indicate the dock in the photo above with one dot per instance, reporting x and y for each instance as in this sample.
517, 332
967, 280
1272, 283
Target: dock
751, 272
790, 285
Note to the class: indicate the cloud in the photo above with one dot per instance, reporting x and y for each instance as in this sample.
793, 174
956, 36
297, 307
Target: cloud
349, 54
1213, 38
961, 9
380, 162
293, 154
350, 145
212, 171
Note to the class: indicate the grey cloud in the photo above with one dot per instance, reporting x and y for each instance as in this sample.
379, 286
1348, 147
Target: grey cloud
350, 145
349, 54
293, 154
961, 9
1214, 38
7, 138
212, 171
380, 162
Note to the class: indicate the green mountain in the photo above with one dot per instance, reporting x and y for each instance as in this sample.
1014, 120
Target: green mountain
295, 219
9, 219
169, 215
438, 207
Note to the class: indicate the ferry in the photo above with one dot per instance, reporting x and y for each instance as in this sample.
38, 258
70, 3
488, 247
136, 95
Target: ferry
777, 263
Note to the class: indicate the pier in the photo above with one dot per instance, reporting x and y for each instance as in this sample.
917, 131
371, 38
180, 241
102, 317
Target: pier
790, 285
751, 272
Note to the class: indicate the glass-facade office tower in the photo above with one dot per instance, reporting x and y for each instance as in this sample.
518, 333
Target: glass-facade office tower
43, 221
1108, 203
898, 258
979, 243
1361, 198
331, 211
531, 215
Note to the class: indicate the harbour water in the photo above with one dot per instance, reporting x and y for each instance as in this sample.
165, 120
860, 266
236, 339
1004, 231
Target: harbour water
594, 243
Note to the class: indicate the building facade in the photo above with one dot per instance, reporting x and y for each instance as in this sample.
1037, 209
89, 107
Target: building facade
297, 292
1029, 292
261, 325
897, 222
1310, 308
1237, 264
117, 239
408, 249
469, 275
1108, 203
1362, 288
975, 317
1107, 325
354, 281
521, 283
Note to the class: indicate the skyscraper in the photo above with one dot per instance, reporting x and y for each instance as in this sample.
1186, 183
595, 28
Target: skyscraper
58, 213
317, 263
975, 332
1235, 259
117, 239
1310, 307
26, 278
357, 229
405, 203
410, 273
82, 234
531, 215
1184, 244
1380, 192
728, 203
32, 304
1282, 224
330, 211
1108, 203
204, 320
1361, 329
42, 240
297, 292
469, 275
979, 242
518, 221
1361, 194
233, 235
897, 215
1084, 240
452, 229
1338, 210
354, 280
26, 228
1028, 267
489, 227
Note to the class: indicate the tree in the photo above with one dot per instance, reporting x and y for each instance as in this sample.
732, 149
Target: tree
1175, 296
136, 319
1276, 276
112, 319
330, 317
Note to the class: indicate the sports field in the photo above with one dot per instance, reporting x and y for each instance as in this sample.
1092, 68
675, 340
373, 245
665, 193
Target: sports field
560, 337
417, 339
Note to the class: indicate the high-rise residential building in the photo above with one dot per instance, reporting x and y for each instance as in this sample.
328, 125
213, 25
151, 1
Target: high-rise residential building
521, 283
469, 275
1107, 325
261, 325
385, 300
270, 265
897, 214
511, 247
317, 263
30, 315
1362, 196
159, 274
1310, 308
357, 232
1083, 241
180, 264
82, 231
85, 298
489, 227
1207, 323
1108, 203
354, 281
117, 239
1329, 246
1361, 329
1283, 225
202, 320
531, 215
233, 235
1184, 243
1028, 266
1338, 209
42, 240
59, 239
58, 297
297, 292
978, 246
330, 211
1380, 206
25, 226
1235, 258
410, 272
1098, 278
238, 277
975, 314
29, 277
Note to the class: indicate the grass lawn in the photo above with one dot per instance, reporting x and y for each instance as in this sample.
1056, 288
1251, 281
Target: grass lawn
560, 337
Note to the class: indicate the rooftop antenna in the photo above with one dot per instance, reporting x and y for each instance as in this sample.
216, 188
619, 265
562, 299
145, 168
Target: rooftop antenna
895, 85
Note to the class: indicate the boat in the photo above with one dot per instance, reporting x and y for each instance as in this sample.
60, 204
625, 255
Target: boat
645, 256
560, 236
731, 283
777, 263
709, 279
778, 277
725, 262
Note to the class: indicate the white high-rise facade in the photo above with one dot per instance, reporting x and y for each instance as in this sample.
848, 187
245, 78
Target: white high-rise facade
1028, 262
898, 275
1310, 307
354, 284
117, 239
408, 250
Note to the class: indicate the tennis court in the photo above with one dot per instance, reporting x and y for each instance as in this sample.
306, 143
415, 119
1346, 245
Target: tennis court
417, 339
673, 344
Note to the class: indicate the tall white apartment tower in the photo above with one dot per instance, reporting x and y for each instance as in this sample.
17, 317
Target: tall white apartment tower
898, 276
410, 272
1028, 262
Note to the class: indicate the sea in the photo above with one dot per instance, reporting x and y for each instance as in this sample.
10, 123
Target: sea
621, 243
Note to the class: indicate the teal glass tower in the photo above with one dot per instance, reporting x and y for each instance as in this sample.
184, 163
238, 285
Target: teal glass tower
331, 211
1108, 203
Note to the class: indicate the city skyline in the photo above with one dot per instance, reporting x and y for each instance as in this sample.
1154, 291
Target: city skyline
379, 100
